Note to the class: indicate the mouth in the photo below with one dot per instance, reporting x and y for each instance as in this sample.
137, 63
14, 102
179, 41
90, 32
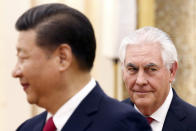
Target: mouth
142, 92
25, 86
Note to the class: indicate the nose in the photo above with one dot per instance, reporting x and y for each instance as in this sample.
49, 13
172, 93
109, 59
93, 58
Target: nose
141, 78
17, 72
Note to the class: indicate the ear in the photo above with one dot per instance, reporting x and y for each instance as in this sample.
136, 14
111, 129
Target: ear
172, 72
64, 56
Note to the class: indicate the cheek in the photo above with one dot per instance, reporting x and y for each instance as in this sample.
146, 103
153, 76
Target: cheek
49, 75
162, 83
28, 69
33, 71
129, 82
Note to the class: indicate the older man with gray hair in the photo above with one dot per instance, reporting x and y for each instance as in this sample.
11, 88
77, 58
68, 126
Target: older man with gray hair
149, 64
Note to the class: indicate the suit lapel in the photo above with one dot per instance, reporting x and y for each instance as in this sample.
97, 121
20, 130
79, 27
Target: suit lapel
175, 116
39, 126
77, 122
83, 115
173, 124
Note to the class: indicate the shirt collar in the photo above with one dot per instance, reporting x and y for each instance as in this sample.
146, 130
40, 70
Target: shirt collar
66, 110
160, 114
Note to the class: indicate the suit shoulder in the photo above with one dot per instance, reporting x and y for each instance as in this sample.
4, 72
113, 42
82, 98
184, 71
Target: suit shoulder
123, 116
186, 106
185, 112
126, 101
190, 110
30, 123
119, 106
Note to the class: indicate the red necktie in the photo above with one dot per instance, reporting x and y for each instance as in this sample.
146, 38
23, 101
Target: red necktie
49, 126
149, 119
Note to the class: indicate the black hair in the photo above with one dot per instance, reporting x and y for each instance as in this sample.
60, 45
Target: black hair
58, 23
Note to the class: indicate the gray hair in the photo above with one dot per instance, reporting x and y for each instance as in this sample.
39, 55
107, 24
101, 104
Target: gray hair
154, 35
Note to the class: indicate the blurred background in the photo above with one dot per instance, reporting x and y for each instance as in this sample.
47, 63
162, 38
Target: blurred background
112, 20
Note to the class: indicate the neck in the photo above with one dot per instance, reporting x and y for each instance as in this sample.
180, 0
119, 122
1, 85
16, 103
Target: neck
147, 111
72, 84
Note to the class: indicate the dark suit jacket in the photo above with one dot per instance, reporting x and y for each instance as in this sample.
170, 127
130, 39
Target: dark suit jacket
181, 116
97, 112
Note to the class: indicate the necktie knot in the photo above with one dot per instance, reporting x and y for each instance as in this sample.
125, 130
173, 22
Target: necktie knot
149, 119
49, 126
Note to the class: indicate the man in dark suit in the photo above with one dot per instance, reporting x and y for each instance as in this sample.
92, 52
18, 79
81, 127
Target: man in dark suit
149, 60
55, 50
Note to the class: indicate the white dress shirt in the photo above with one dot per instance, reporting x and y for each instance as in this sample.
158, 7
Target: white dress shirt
160, 114
66, 110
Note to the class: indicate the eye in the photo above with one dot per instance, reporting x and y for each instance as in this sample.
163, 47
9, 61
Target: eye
132, 69
21, 59
152, 69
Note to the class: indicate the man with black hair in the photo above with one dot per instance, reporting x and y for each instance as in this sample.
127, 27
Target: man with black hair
56, 49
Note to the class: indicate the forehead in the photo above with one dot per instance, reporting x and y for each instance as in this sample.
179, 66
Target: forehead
26, 39
27, 43
143, 53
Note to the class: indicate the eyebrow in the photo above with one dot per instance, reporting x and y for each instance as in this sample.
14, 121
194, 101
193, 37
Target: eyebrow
20, 50
131, 65
151, 65
146, 66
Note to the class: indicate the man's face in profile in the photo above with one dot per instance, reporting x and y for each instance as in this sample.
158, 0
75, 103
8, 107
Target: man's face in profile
145, 75
37, 72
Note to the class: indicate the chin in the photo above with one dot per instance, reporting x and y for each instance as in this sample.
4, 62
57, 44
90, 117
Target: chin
142, 102
31, 100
